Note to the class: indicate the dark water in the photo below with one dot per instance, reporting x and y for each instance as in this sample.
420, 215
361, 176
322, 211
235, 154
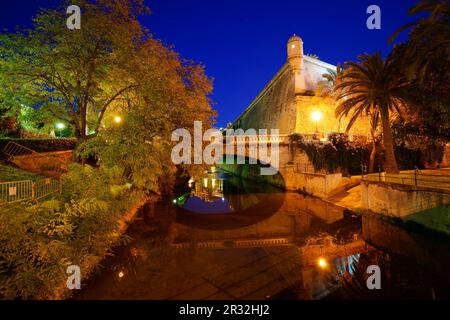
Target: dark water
235, 239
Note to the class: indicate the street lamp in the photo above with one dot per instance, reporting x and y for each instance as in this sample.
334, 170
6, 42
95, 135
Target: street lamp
117, 119
316, 116
60, 126
322, 263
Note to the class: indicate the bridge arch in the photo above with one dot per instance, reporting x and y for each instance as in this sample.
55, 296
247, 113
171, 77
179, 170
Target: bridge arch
250, 169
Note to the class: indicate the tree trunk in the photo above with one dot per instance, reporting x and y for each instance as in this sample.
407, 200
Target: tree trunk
373, 153
391, 164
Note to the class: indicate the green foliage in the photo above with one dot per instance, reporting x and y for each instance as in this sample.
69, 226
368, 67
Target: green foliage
8, 173
31, 261
342, 155
428, 39
110, 66
424, 58
339, 155
40, 121
9, 127
39, 241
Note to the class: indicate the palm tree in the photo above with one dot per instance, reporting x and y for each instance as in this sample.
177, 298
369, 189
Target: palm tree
325, 88
373, 86
374, 117
429, 39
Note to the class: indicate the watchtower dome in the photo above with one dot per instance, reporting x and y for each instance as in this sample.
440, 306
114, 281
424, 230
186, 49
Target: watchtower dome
295, 52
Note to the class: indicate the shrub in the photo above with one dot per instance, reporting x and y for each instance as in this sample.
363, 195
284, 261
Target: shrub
9, 127
347, 157
39, 241
339, 155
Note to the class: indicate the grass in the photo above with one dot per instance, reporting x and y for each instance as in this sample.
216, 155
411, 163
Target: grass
9, 173
432, 223
437, 219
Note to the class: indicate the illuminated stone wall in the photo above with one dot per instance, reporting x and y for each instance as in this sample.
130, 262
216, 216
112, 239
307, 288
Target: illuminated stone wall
307, 105
287, 102
274, 108
402, 201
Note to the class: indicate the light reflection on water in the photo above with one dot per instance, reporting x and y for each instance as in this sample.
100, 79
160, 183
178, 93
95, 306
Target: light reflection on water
245, 240
199, 205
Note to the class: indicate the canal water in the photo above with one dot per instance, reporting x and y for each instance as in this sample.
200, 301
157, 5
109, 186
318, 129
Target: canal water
228, 238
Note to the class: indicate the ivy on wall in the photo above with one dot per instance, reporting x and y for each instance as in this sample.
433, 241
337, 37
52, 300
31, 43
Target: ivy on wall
340, 155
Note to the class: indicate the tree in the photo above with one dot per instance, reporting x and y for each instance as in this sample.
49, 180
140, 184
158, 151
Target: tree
326, 87
78, 73
371, 86
374, 117
424, 58
173, 94
429, 38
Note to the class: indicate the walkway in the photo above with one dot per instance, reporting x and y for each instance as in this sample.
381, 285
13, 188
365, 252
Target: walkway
437, 179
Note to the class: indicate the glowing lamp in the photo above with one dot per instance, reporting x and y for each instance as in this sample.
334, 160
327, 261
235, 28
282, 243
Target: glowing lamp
322, 263
316, 116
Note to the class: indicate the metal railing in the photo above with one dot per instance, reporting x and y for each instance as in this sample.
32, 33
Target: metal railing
46, 164
306, 168
17, 191
13, 150
242, 139
416, 178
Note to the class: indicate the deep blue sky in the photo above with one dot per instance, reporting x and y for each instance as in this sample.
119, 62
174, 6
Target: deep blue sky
242, 43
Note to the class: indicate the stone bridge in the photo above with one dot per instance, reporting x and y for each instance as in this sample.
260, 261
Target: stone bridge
248, 155
292, 104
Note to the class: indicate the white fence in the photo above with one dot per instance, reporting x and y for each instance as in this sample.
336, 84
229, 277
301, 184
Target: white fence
17, 191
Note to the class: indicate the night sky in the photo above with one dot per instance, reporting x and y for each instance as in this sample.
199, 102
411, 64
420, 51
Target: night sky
242, 43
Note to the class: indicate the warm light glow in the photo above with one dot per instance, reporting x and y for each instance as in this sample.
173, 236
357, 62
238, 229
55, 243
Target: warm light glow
60, 126
121, 274
322, 263
205, 182
174, 201
117, 119
316, 116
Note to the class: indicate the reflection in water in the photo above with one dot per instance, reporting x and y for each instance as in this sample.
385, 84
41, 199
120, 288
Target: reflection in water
222, 202
233, 239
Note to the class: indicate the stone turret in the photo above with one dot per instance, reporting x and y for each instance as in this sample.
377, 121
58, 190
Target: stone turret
295, 52
295, 60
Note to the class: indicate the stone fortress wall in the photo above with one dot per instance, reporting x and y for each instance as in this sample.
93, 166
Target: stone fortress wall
274, 108
288, 101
